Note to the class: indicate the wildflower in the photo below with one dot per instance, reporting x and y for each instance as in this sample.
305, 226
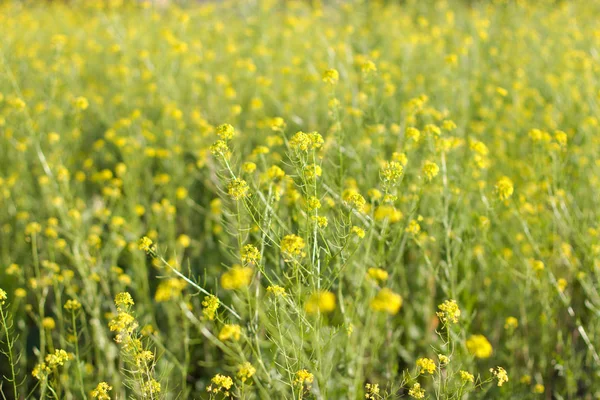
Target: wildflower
276, 290
377, 274
368, 67
500, 374
561, 138
413, 133
354, 199
444, 360
392, 171
3, 297
449, 312
416, 391
123, 300
143, 357
151, 388
312, 171
246, 371
275, 173
210, 304
101, 391
358, 231
306, 141
81, 103
59, 357
220, 382
539, 388
388, 301
413, 227
479, 346
146, 245
466, 377
40, 371
504, 188
313, 203
249, 167
48, 323
511, 323
303, 377
225, 131
278, 124
388, 212
561, 284
321, 221
123, 322
372, 391
238, 189
292, 246
320, 302
430, 170
525, 379
250, 254
169, 289
426, 365
537, 265
220, 148
230, 331
331, 76
237, 277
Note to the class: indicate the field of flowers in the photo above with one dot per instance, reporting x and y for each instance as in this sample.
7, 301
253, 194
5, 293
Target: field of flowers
268, 199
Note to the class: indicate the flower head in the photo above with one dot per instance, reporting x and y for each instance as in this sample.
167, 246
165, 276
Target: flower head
388, 301
500, 374
479, 346
504, 188
322, 301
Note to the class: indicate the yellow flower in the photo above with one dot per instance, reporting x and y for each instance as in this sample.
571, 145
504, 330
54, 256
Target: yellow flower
147, 245
276, 290
426, 365
466, 377
539, 388
331, 76
358, 231
210, 305
479, 346
430, 170
3, 296
220, 382
237, 277
123, 300
230, 331
225, 131
322, 301
511, 323
388, 301
449, 312
246, 371
101, 391
250, 254
500, 374
416, 391
151, 388
169, 289
377, 274
392, 171
292, 246
49, 323
238, 189
303, 377
372, 391
504, 188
